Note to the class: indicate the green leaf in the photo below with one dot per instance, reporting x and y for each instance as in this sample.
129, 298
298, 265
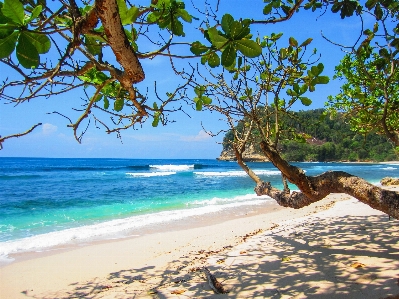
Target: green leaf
286, 9
375, 27
35, 13
98, 98
123, 12
185, 15
118, 104
370, 4
275, 37
384, 53
336, 7
305, 101
7, 44
199, 90
217, 40
283, 53
248, 48
204, 59
306, 42
227, 20
3, 18
296, 88
106, 103
229, 55
133, 13
239, 62
197, 48
238, 30
41, 42
323, 80
6, 31
378, 12
317, 70
267, 9
198, 105
304, 89
293, 42
155, 122
206, 100
213, 60
27, 54
14, 10
92, 45
177, 27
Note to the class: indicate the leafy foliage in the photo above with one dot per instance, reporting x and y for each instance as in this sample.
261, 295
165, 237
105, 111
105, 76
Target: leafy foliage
325, 139
59, 47
234, 37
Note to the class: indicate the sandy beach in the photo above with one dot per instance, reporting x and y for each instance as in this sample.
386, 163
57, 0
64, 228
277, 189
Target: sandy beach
336, 248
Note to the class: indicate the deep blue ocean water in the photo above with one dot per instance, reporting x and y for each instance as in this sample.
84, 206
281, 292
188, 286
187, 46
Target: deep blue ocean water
53, 202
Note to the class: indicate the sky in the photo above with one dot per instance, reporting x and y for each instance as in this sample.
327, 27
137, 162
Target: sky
184, 138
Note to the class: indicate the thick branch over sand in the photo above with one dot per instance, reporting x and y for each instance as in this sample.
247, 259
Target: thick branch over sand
315, 188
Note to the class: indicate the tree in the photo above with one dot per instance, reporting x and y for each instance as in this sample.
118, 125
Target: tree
280, 77
370, 93
98, 45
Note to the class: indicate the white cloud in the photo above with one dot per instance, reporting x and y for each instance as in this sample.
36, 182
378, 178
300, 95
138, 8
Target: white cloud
48, 129
201, 136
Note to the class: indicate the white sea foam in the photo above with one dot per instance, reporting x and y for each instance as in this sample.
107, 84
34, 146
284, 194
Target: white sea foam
237, 173
170, 167
109, 229
150, 174
236, 200
389, 168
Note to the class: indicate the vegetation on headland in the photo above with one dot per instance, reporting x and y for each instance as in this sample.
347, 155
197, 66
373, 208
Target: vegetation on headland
98, 46
325, 139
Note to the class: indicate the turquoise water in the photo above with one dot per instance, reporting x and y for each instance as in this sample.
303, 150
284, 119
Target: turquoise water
51, 202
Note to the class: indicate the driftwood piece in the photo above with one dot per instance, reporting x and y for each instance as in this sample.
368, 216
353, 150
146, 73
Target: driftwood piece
215, 285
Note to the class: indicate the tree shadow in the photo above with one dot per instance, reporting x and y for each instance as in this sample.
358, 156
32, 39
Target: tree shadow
351, 257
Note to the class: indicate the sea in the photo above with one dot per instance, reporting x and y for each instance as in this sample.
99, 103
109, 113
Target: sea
48, 203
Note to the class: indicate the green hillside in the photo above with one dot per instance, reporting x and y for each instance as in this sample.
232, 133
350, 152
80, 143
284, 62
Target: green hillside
327, 139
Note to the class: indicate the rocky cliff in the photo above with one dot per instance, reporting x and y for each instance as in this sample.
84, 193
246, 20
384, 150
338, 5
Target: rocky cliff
250, 155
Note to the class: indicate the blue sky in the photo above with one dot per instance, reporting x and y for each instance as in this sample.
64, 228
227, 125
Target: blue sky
184, 138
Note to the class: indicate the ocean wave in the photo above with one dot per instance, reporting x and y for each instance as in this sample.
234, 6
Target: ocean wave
171, 167
19, 177
389, 168
114, 228
150, 174
138, 167
235, 173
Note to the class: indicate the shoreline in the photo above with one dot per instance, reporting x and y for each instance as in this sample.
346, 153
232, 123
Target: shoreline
246, 252
70, 238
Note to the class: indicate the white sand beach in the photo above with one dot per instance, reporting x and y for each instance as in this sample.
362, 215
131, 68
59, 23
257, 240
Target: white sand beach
336, 248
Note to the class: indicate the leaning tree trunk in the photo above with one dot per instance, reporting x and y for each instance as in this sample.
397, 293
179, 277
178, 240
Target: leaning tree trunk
315, 188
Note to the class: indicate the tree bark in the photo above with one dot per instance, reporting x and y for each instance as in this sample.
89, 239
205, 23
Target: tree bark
132, 73
315, 188
108, 13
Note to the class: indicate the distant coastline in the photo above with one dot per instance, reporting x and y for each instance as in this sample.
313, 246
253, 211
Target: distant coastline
255, 157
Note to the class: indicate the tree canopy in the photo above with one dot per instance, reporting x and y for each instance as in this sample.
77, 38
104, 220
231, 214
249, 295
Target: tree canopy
52, 48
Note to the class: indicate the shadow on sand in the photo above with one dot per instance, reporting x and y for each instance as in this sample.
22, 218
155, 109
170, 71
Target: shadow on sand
351, 257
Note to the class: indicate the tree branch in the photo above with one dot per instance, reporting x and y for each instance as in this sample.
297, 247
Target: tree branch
109, 14
2, 139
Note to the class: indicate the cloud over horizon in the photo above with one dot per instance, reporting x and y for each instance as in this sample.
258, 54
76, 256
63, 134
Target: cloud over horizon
48, 129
